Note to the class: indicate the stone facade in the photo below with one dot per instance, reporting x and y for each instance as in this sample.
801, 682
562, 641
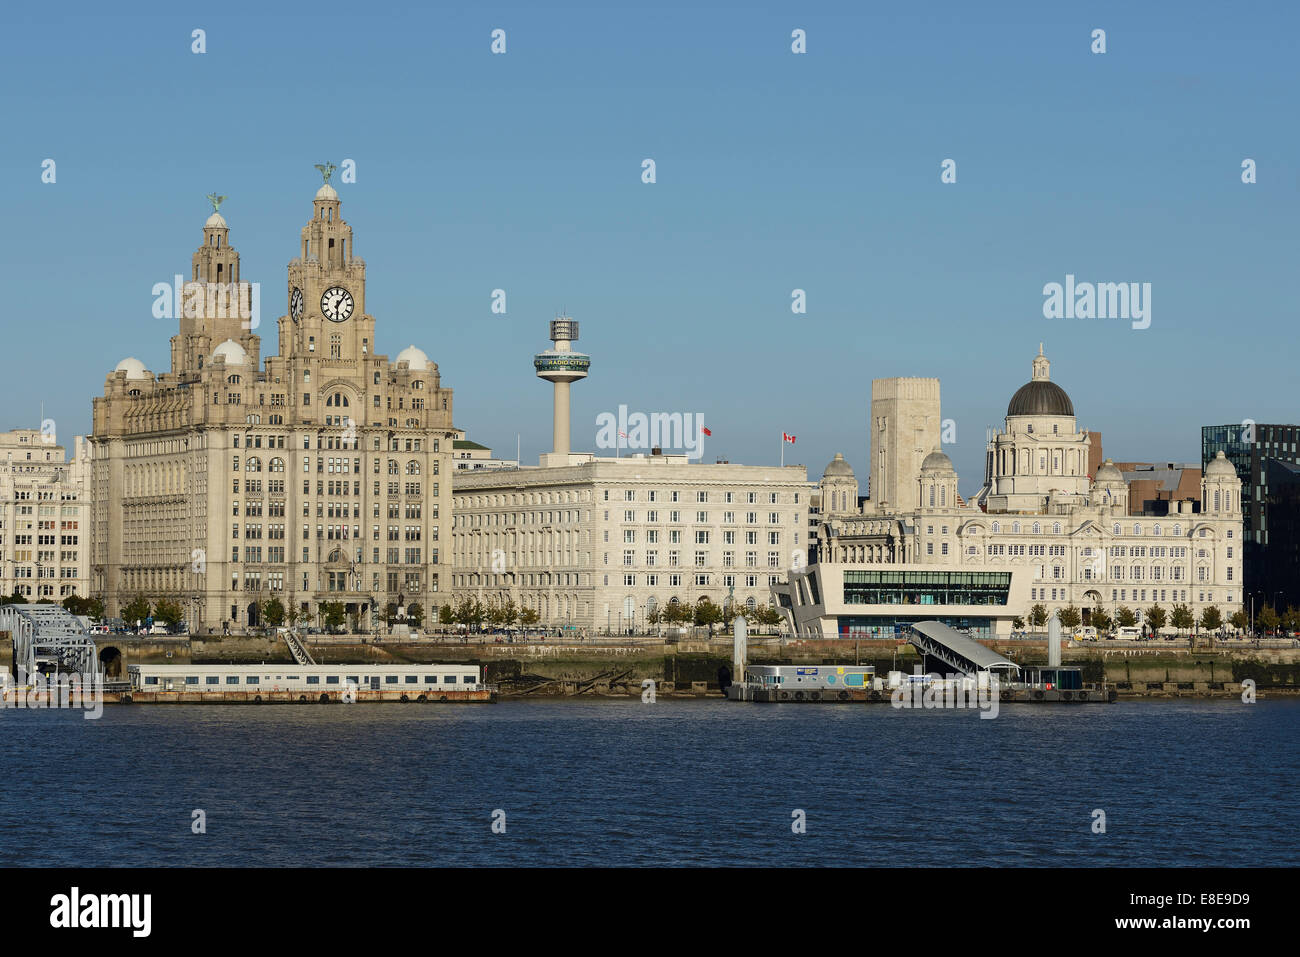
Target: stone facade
44, 517
597, 542
1067, 536
321, 476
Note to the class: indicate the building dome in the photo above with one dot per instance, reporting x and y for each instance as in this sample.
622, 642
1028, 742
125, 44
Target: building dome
326, 191
215, 221
1109, 473
1220, 467
1040, 397
937, 460
838, 468
416, 358
133, 368
232, 352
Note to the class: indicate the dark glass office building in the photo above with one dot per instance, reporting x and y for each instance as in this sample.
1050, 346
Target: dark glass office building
1266, 458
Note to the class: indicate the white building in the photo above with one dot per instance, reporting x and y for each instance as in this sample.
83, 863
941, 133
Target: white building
1039, 531
599, 542
44, 517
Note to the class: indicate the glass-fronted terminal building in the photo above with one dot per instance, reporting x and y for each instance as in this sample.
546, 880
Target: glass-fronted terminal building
834, 600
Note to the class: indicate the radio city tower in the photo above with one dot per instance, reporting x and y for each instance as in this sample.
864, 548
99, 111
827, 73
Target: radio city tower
561, 365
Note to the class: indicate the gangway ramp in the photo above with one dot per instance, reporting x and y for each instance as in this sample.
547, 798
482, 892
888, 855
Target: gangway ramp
298, 649
49, 639
957, 651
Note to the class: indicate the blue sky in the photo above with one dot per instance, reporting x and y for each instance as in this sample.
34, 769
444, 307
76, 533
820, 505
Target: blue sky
775, 171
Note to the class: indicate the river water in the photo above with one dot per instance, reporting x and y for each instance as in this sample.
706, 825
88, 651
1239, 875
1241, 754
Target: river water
619, 782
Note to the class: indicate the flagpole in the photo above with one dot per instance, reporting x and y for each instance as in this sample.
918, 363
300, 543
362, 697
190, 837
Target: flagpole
782, 450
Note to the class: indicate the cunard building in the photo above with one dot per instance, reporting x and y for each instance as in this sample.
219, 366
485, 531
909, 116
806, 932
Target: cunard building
320, 474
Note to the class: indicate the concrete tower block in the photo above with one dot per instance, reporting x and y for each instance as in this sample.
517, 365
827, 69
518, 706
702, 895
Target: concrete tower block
904, 429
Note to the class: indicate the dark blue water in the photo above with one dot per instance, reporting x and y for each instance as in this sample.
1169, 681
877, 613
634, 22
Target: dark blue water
676, 782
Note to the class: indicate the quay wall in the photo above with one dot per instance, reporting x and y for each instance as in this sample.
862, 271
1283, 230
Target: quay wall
549, 667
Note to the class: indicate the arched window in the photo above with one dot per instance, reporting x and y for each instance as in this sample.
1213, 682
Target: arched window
1056, 528
1015, 528
277, 465
1137, 529
254, 464
1155, 529
1038, 529
1115, 529
997, 527
1178, 529
392, 467
413, 467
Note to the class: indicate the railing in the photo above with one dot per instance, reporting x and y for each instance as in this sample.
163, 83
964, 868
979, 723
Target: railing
298, 649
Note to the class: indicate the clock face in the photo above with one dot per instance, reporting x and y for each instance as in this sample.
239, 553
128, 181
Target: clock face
336, 304
295, 304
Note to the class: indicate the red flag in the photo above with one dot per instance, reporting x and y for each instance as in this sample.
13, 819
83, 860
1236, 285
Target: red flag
787, 438
706, 431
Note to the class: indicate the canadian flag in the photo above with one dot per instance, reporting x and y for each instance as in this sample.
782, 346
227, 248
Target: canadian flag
706, 431
786, 437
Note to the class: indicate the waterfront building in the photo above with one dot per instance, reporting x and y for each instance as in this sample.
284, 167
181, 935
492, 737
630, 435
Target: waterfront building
1261, 453
1041, 529
44, 516
320, 475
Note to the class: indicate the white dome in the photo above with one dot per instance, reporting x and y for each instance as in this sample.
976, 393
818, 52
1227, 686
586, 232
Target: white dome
233, 353
419, 362
1220, 467
215, 221
133, 368
326, 191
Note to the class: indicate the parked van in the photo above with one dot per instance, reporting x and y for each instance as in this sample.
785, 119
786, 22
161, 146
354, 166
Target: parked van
1086, 633
1131, 633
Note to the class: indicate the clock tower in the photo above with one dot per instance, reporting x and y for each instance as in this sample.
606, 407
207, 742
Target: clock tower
327, 289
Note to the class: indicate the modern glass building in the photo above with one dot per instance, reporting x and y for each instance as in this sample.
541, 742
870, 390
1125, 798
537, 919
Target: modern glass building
1270, 566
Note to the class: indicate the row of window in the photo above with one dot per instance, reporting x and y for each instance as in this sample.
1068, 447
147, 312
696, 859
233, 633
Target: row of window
429, 680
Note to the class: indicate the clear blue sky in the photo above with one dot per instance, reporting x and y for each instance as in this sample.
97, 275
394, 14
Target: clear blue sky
776, 171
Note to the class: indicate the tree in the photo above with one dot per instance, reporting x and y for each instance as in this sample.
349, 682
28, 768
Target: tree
707, 613
676, 613
509, 613
1101, 620
415, 612
493, 614
302, 616
1239, 620
1018, 623
1182, 618
767, 615
446, 616
390, 612
94, 607
1156, 617
653, 615
1267, 619
529, 617
136, 610
1038, 616
1290, 619
334, 613
1211, 618
273, 612
16, 598
1124, 617
1070, 617
169, 612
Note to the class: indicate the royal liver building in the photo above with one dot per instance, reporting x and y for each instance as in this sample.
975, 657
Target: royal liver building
322, 476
